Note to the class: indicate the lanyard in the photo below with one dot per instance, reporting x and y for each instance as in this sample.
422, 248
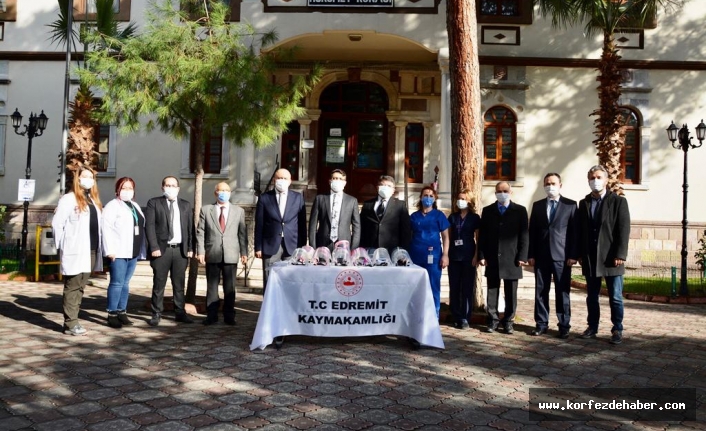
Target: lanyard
459, 224
134, 213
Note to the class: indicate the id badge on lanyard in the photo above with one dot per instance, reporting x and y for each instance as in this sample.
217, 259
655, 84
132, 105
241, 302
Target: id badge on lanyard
430, 258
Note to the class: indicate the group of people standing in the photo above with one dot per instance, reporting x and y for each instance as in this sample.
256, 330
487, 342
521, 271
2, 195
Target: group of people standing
502, 239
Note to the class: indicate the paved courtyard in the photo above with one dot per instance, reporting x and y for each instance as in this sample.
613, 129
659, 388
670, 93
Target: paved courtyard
183, 377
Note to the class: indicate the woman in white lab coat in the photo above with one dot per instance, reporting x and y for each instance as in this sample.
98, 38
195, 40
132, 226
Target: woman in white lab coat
123, 244
77, 232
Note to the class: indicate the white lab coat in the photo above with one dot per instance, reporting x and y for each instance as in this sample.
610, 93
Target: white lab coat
72, 235
119, 230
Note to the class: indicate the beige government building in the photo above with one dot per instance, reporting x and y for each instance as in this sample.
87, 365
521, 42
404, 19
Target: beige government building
382, 107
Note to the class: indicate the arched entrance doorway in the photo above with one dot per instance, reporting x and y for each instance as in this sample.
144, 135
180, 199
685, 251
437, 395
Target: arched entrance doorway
353, 130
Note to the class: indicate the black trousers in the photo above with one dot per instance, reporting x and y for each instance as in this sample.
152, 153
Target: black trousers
543, 273
171, 264
214, 271
510, 301
462, 283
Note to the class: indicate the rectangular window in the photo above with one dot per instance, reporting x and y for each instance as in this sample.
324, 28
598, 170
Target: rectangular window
504, 11
290, 149
86, 10
8, 10
414, 151
212, 152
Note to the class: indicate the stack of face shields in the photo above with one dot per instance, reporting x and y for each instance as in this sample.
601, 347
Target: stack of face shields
360, 257
381, 257
341, 256
322, 256
302, 256
400, 257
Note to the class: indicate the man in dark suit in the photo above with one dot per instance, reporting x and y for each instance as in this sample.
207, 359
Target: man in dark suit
604, 223
221, 240
334, 216
384, 221
169, 226
553, 250
280, 223
502, 249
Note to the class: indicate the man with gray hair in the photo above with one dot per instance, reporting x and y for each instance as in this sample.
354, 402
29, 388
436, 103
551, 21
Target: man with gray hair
604, 225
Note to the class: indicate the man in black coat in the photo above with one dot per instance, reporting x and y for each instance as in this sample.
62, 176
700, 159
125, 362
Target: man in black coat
169, 226
604, 223
335, 208
553, 250
385, 220
502, 249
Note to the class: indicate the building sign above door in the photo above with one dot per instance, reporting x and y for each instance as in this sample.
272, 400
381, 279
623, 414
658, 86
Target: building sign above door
351, 3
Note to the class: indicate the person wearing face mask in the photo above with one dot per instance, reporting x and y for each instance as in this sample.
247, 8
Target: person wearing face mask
221, 241
429, 247
463, 258
604, 233
169, 229
553, 250
76, 226
384, 220
280, 223
123, 243
334, 216
502, 249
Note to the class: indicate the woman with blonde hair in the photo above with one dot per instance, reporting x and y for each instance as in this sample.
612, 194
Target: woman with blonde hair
77, 232
463, 258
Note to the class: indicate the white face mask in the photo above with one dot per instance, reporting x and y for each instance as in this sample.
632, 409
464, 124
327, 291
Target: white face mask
462, 204
86, 183
337, 186
597, 185
385, 192
171, 192
502, 198
281, 185
127, 195
551, 191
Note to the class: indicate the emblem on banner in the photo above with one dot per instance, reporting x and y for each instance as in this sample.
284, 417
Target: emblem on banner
349, 282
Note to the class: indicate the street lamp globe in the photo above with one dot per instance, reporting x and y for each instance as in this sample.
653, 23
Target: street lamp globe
16, 119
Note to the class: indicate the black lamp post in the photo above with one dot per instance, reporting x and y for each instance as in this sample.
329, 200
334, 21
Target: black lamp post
36, 126
682, 135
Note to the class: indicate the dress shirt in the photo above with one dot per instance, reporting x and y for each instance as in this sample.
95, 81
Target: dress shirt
282, 202
176, 222
549, 206
596, 203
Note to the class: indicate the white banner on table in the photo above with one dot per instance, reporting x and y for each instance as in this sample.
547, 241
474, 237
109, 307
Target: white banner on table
323, 301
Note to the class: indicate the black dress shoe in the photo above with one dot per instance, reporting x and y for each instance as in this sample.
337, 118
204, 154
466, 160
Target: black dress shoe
183, 318
563, 334
491, 329
154, 321
209, 321
538, 331
278, 342
617, 337
589, 333
229, 322
509, 329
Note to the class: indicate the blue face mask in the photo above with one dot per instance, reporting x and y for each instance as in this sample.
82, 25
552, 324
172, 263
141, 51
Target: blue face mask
427, 201
224, 196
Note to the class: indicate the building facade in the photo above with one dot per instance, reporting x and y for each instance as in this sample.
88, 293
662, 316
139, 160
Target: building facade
382, 107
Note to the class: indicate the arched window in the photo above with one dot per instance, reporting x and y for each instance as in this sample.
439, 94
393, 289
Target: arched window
499, 144
630, 157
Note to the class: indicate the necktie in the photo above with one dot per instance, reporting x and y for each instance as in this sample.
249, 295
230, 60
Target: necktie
222, 219
552, 210
334, 218
280, 204
381, 209
595, 206
170, 219
502, 209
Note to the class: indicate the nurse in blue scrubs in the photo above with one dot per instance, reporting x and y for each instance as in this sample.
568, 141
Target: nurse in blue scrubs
429, 247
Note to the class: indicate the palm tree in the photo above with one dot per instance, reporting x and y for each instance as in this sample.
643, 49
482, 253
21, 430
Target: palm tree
606, 17
81, 142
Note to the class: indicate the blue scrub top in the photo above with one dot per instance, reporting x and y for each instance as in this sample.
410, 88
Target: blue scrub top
426, 232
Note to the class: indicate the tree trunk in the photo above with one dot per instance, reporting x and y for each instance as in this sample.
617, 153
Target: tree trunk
198, 136
466, 118
610, 135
